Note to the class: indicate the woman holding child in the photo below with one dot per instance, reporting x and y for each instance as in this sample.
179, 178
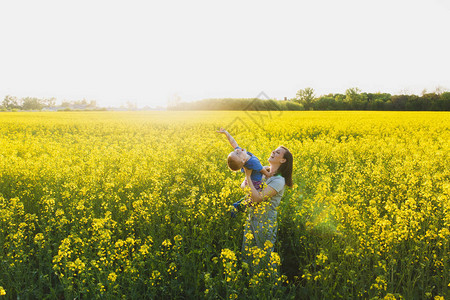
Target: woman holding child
265, 196
261, 225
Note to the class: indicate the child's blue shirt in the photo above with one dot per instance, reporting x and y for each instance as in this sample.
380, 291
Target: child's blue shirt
255, 165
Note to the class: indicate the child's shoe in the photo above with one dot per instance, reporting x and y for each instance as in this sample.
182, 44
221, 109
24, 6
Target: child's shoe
238, 206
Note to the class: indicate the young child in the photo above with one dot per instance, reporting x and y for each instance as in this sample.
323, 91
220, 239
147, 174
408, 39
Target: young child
240, 158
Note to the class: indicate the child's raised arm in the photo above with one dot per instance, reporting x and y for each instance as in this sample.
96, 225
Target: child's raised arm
265, 172
229, 137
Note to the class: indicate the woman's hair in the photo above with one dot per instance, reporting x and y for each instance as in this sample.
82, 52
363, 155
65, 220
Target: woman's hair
285, 168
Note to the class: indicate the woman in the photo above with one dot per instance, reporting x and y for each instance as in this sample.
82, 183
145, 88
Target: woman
261, 225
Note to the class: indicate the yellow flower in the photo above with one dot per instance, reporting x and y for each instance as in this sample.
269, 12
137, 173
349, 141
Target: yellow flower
112, 277
275, 258
249, 236
155, 275
144, 249
167, 243
2, 291
38, 238
228, 254
178, 238
172, 268
267, 245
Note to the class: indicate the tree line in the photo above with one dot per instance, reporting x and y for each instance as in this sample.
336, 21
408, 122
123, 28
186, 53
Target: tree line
305, 99
354, 99
236, 104
12, 103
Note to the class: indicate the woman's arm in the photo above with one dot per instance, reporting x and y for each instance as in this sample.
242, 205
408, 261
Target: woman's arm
257, 197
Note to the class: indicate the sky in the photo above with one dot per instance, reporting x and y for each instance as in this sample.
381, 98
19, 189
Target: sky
151, 53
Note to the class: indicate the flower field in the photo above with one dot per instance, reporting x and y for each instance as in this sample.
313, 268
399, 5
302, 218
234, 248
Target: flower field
133, 205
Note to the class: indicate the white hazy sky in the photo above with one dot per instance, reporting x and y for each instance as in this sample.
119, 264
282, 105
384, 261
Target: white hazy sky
149, 52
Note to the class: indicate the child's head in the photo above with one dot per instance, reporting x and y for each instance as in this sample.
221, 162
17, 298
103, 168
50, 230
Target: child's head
236, 159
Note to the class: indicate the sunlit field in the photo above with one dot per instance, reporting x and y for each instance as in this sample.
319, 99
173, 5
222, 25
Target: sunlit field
137, 205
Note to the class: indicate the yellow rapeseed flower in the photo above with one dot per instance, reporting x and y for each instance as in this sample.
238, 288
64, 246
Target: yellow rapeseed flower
112, 277
167, 243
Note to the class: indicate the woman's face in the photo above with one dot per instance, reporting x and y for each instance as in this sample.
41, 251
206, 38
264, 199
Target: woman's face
277, 156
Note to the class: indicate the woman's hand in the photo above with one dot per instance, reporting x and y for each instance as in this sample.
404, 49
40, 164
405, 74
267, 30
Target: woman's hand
256, 196
248, 172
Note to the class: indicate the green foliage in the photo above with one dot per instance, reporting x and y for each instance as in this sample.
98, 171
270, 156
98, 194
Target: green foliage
306, 97
325, 103
13, 103
354, 99
29, 103
10, 102
247, 104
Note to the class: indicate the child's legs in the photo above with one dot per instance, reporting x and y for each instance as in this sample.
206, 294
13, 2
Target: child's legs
256, 183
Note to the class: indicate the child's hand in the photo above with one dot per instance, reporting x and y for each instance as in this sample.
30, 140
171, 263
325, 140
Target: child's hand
266, 172
221, 130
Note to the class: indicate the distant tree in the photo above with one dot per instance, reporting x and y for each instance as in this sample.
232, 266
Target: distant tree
377, 104
412, 102
11, 102
50, 102
80, 102
430, 101
355, 99
377, 101
399, 102
131, 105
306, 97
381, 96
293, 106
340, 101
30, 103
444, 101
352, 94
242, 104
325, 103
92, 104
